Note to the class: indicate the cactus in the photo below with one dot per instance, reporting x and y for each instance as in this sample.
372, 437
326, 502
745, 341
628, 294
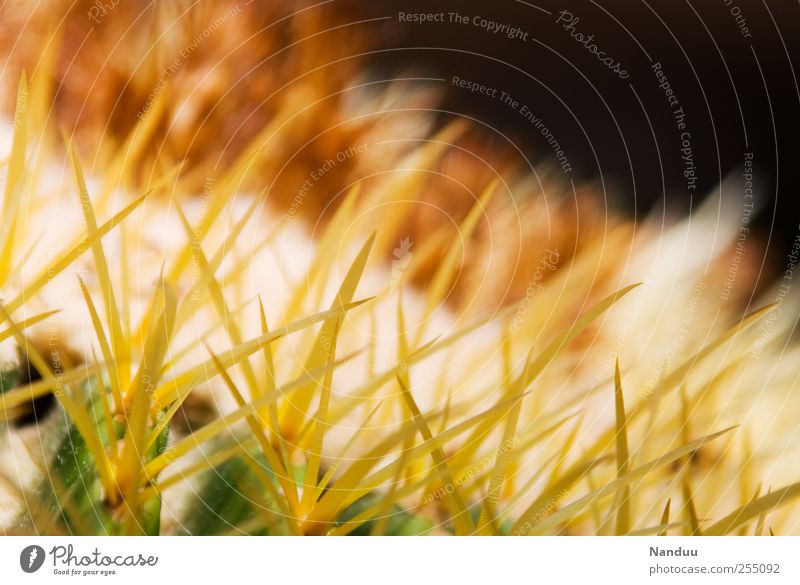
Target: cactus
200, 389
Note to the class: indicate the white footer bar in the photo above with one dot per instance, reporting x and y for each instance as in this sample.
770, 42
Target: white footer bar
386, 560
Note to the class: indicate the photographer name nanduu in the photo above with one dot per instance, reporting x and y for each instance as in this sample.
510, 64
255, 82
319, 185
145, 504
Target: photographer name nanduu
672, 552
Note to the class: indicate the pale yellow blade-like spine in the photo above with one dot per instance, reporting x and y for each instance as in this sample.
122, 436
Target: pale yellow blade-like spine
49, 272
281, 471
119, 342
623, 457
752, 510
15, 178
295, 416
524, 524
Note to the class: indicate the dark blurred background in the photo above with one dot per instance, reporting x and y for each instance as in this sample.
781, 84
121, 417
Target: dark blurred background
730, 65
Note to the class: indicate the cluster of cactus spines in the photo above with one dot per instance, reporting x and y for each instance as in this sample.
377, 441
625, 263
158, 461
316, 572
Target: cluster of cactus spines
215, 370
